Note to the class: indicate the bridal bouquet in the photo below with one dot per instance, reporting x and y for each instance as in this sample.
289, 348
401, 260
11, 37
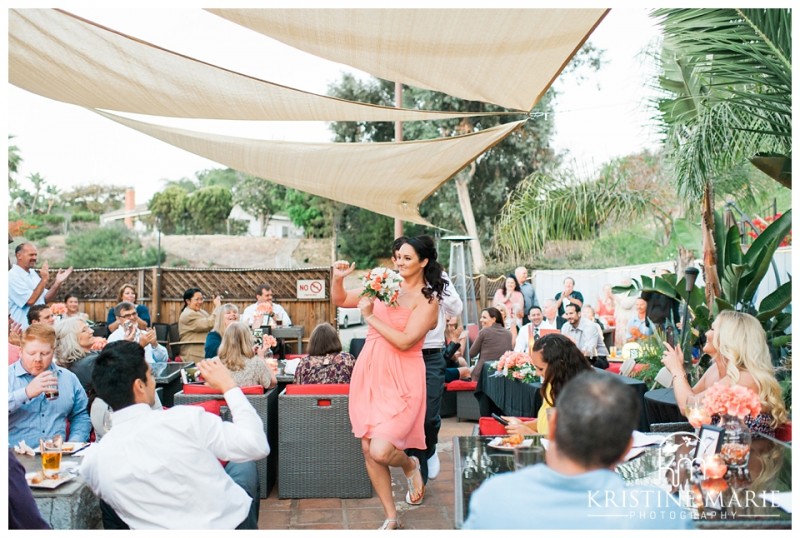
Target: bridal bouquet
58, 309
383, 284
516, 365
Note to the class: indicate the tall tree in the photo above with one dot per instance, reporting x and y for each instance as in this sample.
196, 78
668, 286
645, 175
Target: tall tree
259, 197
94, 198
209, 208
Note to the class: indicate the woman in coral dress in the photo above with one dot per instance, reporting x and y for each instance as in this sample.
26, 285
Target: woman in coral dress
387, 388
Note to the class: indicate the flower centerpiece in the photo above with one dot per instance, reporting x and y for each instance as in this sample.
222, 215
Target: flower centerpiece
269, 341
58, 309
383, 284
516, 365
733, 404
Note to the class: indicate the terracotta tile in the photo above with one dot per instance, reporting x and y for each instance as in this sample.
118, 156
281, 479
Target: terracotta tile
273, 520
306, 517
365, 514
318, 504
319, 526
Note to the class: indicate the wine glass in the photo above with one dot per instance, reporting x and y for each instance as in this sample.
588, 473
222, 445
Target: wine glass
696, 411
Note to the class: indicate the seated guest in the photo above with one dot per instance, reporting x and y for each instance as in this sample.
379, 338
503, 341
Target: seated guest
556, 359
326, 362
128, 293
161, 469
74, 307
550, 313
227, 314
41, 313
586, 335
14, 336
23, 512
74, 340
740, 355
588, 312
493, 340
455, 339
247, 366
194, 324
577, 488
638, 327
271, 312
129, 330
530, 333
31, 416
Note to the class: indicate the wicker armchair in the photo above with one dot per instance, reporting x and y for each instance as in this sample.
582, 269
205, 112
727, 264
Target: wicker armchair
266, 405
670, 427
318, 456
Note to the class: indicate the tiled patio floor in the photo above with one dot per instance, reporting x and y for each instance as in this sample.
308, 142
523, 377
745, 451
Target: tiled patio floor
437, 512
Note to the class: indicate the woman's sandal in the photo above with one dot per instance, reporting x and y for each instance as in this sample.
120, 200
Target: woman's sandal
419, 494
390, 525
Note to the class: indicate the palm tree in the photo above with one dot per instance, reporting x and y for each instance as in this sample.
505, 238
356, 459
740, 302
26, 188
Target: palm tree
727, 81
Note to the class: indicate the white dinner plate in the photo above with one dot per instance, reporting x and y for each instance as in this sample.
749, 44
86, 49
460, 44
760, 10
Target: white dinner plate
497, 443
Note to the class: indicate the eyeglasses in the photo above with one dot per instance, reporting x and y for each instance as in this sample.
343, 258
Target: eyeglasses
130, 315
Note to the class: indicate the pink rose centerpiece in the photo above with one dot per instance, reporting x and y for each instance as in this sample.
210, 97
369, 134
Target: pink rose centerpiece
733, 404
516, 365
58, 309
383, 284
269, 341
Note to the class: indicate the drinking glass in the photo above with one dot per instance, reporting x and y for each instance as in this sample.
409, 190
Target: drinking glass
51, 456
696, 411
527, 455
278, 319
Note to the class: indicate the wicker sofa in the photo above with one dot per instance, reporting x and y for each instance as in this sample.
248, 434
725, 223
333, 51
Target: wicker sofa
266, 405
318, 456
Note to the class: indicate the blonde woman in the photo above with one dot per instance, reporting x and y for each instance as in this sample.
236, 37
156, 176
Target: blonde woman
227, 314
245, 361
738, 346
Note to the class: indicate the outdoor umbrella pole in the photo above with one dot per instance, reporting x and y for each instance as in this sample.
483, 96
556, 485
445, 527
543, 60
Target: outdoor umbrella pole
686, 329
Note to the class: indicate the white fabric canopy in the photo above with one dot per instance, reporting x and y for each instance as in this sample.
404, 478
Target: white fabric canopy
508, 57
390, 178
61, 56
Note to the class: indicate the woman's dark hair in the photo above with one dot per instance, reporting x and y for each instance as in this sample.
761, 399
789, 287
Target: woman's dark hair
494, 313
324, 340
69, 296
187, 296
116, 368
516, 283
426, 250
564, 361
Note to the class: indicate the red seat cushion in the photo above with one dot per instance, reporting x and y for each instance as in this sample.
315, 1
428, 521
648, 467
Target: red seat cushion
489, 426
290, 356
460, 384
197, 388
212, 406
317, 388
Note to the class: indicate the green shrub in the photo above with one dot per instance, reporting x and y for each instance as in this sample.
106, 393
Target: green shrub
85, 216
108, 247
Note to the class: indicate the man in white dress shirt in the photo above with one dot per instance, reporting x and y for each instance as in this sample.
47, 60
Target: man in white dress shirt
530, 333
161, 469
264, 297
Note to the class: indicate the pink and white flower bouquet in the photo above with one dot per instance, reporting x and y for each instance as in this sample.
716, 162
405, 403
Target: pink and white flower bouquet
269, 341
516, 365
58, 309
734, 400
383, 284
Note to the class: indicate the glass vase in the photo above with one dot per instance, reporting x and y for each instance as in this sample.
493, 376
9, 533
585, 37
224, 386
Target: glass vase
736, 442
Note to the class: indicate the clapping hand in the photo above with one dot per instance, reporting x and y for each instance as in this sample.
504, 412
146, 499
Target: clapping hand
62, 275
672, 359
148, 337
44, 271
216, 375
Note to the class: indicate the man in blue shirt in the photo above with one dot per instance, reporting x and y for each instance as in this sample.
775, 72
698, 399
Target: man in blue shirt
589, 433
26, 287
31, 415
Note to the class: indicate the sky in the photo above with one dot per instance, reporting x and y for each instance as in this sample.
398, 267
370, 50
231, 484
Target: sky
600, 118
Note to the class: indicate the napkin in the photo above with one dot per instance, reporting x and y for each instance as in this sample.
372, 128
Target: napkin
645, 439
291, 366
782, 499
23, 448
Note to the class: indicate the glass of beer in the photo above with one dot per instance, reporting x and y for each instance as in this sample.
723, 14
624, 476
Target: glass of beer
278, 319
51, 456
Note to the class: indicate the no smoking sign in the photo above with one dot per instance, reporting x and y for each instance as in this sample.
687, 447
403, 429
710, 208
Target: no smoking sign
310, 289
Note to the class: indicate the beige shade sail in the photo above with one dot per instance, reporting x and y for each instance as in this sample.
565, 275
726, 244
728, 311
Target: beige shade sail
390, 178
64, 57
508, 57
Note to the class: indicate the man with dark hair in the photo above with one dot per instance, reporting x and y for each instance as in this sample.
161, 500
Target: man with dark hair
264, 297
529, 333
40, 313
26, 287
435, 366
161, 469
586, 335
589, 433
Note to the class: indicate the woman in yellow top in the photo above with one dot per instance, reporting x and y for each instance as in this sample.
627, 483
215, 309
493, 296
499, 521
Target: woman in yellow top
557, 359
